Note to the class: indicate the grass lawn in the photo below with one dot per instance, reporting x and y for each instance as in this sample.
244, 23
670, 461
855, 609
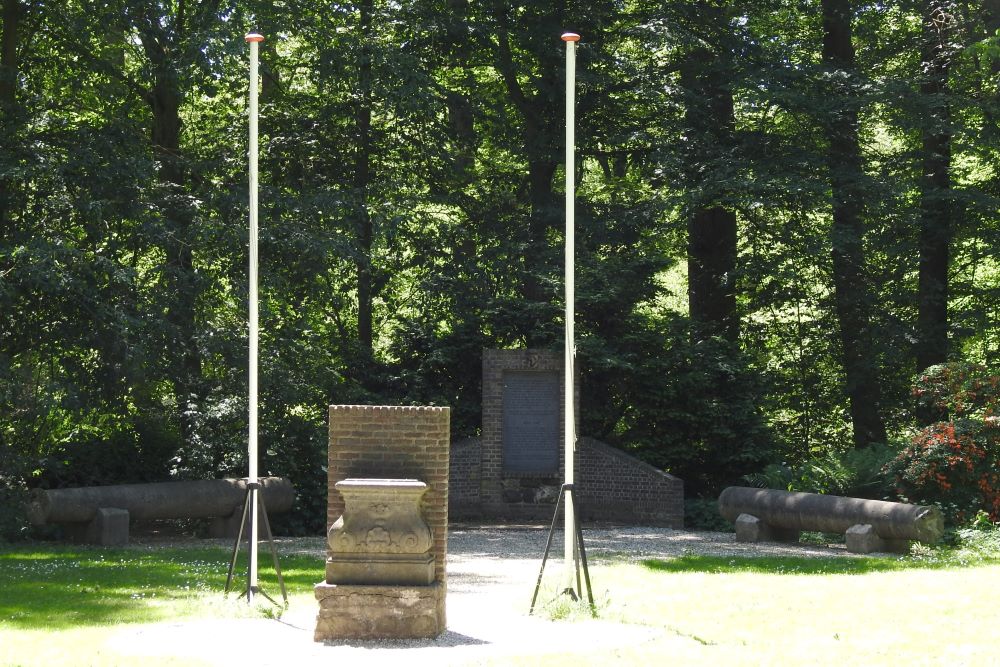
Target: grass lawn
716, 611
59, 605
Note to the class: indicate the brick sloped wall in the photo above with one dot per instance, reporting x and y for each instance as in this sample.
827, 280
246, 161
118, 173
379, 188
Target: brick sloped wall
395, 442
611, 485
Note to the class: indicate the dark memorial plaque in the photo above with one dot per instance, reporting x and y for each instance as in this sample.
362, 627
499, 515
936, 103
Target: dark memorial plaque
531, 421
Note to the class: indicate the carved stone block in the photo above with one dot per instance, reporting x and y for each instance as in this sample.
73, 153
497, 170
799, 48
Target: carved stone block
381, 538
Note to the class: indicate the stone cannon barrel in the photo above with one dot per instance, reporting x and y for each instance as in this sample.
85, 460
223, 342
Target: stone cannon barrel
832, 514
163, 500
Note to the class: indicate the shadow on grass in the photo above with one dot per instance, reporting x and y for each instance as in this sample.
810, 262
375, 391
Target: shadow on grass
63, 587
791, 565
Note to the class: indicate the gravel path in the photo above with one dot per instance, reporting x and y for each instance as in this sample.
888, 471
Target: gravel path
491, 576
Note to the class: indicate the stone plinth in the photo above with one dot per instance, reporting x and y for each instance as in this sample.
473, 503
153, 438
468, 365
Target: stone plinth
386, 575
381, 537
378, 612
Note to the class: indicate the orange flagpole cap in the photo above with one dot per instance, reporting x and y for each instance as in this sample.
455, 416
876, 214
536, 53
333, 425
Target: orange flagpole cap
254, 37
570, 37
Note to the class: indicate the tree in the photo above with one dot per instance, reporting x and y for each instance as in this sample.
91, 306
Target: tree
936, 203
711, 226
10, 40
853, 302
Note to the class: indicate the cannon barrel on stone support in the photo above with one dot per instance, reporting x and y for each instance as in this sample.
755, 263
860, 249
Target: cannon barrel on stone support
795, 511
202, 499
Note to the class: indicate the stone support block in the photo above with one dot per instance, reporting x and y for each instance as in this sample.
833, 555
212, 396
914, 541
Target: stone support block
228, 526
388, 523
379, 612
862, 539
109, 527
752, 529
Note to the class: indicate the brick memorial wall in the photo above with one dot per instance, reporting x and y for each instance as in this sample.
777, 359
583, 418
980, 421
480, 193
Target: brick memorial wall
522, 412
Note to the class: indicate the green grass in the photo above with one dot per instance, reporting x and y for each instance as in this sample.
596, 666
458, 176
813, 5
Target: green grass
936, 607
57, 588
60, 605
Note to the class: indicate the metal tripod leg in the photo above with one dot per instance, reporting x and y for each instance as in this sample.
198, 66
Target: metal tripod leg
253, 496
236, 544
548, 546
579, 554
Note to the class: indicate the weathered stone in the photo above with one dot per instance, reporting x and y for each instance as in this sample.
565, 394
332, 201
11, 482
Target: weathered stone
381, 538
109, 527
228, 526
752, 529
833, 514
863, 539
386, 571
379, 612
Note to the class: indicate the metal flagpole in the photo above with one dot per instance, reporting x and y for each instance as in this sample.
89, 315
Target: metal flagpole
254, 40
571, 528
254, 509
569, 425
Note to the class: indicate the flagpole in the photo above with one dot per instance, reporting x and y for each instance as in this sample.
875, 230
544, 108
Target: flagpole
569, 347
254, 40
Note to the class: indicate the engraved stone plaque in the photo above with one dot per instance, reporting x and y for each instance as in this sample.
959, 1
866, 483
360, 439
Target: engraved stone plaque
531, 421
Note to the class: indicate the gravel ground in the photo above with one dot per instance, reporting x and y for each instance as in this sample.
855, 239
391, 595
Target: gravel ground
491, 576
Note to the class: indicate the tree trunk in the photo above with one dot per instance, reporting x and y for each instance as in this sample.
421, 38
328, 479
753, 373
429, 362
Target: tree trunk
9, 72
991, 12
847, 231
362, 179
936, 223
165, 99
12, 14
540, 114
712, 229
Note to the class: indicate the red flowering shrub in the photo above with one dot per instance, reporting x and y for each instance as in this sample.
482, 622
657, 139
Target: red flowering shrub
954, 463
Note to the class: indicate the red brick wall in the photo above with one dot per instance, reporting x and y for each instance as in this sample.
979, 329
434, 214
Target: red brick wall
613, 486
610, 485
396, 442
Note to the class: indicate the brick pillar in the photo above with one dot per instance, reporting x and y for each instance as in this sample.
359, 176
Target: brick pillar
395, 442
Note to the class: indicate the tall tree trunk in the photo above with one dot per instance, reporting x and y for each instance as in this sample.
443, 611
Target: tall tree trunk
9, 72
462, 131
164, 98
991, 15
12, 14
850, 292
712, 229
936, 224
540, 113
362, 179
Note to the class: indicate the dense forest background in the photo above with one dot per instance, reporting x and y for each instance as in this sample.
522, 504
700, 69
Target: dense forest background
787, 210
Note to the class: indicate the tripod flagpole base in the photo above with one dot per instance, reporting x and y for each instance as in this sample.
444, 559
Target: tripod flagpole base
252, 590
580, 554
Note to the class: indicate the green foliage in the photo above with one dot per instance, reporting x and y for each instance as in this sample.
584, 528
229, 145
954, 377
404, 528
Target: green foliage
856, 473
954, 462
691, 406
123, 261
703, 514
